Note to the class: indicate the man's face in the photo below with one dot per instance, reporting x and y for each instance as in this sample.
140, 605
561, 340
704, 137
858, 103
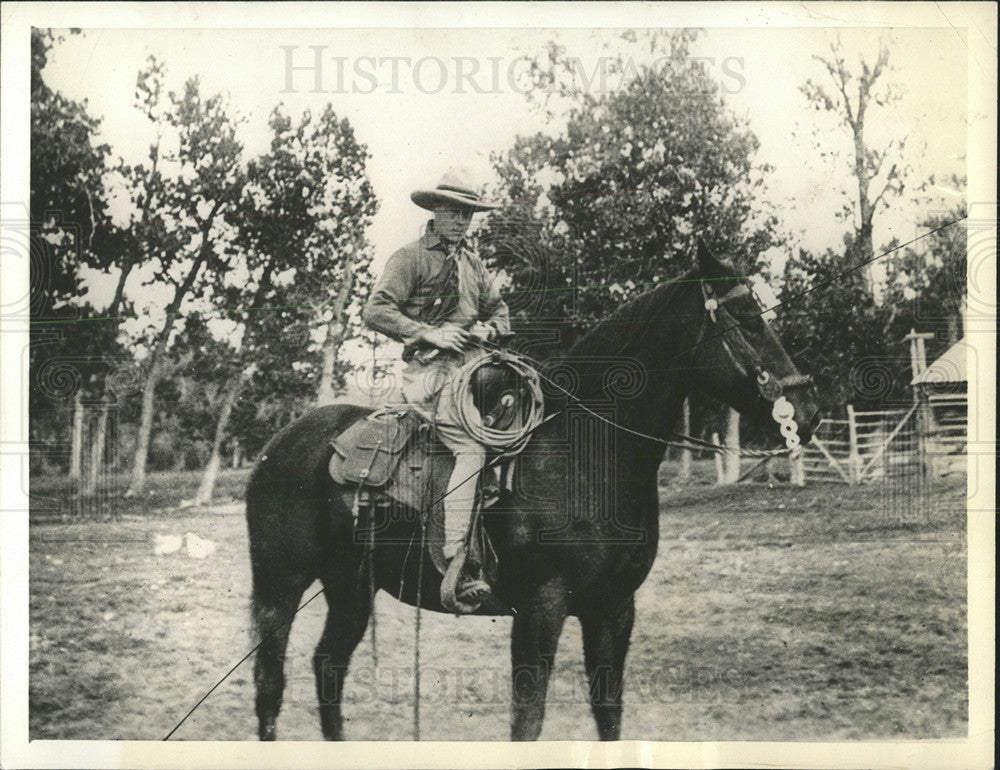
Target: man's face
452, 222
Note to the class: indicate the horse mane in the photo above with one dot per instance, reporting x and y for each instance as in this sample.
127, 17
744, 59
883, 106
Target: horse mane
630, 321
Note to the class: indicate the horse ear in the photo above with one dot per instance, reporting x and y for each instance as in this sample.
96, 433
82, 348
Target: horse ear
708, 265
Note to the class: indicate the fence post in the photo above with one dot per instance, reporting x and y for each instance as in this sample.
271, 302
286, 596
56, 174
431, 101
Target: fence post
731, 462
853, 457
685, 473
797, 470
720, 477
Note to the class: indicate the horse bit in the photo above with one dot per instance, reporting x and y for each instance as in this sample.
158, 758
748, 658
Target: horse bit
771, 388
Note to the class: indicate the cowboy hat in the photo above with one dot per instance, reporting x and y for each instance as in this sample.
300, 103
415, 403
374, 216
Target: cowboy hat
454, 187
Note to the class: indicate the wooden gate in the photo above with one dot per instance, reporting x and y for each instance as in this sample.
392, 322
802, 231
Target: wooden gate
867, 446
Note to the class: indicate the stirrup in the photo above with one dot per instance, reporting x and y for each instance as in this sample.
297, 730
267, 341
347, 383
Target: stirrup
474, 592
462, 596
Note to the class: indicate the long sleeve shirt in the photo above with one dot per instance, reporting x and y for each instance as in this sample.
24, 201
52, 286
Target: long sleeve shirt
407, 298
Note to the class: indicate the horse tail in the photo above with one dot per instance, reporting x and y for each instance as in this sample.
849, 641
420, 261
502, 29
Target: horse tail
291, 537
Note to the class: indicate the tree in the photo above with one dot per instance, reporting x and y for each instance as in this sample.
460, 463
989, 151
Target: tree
301, 226
616, 199
179, 222
877, 171
71, 350
834, 331
929, 278
68, 210
613, 203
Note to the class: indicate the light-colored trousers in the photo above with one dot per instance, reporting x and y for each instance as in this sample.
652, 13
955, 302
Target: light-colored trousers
427, 388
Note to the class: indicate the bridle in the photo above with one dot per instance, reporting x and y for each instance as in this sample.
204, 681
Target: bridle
771, 388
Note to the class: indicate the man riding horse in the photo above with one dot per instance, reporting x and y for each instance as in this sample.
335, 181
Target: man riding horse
437, 298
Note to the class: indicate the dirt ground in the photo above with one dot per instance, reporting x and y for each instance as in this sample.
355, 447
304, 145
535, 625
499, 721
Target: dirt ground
823, 613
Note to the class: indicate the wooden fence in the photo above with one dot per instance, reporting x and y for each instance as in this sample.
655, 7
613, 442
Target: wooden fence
947, 432
867, 446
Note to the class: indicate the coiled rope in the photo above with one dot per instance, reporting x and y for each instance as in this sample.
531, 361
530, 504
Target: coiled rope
513, 439
532, 369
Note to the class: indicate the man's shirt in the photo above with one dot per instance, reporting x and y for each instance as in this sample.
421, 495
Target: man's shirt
408, 296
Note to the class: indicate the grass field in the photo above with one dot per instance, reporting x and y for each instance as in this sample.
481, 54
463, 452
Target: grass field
823, 613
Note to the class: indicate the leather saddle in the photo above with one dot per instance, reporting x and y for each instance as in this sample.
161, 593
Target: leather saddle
393, 457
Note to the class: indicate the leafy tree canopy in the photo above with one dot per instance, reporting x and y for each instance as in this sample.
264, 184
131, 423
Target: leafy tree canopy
612, 204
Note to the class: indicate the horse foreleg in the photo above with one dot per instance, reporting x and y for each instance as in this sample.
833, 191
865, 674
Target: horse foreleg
273, 610
346, 619
606, 635
534, 638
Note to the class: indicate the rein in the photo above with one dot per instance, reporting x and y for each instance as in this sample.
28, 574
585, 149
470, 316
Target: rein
770, 388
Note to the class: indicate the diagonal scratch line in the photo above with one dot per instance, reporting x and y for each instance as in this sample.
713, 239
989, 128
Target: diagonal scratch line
242, 660
716, 336
824, 284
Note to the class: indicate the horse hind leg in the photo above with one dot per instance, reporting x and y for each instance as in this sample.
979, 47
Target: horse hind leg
273, 610
348, 611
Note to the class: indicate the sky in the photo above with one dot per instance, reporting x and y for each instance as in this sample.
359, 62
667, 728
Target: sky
414, 134
419, 117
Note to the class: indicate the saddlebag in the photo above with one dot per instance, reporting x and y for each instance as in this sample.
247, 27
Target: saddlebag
368, 452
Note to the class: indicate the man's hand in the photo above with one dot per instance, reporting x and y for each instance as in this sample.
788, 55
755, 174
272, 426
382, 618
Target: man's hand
482, 332
447, 338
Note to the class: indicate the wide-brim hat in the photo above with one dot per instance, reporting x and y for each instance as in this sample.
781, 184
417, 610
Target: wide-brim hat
453, 188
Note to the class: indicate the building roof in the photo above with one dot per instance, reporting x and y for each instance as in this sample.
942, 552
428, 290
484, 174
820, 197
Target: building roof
950, 367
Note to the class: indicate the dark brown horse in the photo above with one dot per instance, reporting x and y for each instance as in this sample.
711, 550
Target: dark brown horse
576, 537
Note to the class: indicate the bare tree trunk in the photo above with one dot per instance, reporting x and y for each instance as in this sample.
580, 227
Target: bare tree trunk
157, 371
336, 330
865, 247
101, 432
145, 426
685, 472
208, 478
237, 456
867, 164
97, 449
732, 459
76, 448
156, 357
231, 395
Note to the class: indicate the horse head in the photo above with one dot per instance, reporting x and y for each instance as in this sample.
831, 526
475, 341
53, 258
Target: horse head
740, 360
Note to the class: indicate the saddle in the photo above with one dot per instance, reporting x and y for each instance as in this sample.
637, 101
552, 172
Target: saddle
370, 450
393, 457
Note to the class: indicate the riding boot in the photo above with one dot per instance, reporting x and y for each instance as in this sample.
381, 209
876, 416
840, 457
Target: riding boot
460, 592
